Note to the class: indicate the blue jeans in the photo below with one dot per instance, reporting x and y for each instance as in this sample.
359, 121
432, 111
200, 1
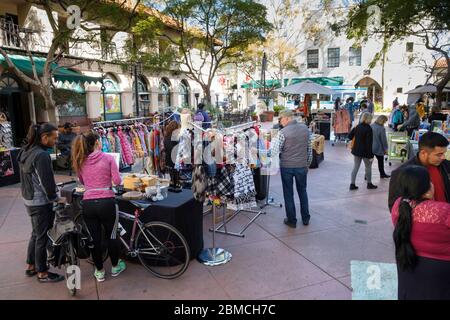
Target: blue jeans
287, 177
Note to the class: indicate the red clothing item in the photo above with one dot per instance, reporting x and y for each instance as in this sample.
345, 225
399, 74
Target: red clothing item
430, 235
438, 182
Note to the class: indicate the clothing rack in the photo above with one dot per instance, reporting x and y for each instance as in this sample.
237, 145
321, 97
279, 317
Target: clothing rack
101, 123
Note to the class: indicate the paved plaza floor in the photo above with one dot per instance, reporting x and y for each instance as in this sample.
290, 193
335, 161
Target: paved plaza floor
272, 261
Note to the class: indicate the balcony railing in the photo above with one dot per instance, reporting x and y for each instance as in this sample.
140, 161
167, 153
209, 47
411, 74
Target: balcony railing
16, 37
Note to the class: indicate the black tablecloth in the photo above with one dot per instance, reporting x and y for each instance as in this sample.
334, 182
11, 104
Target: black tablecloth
317, 158
180, 210
15, 178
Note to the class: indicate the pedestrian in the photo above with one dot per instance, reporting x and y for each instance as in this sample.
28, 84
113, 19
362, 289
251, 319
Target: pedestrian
337, 104
293, 146
39, 193
421, 237
380, 144
395, 103
362, 141
397, 118
351, 107
202, 116
97, 171
370, 106
412, 121
431, 155
64, 144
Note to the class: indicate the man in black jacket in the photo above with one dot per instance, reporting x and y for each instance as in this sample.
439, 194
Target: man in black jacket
39, 192
432, 150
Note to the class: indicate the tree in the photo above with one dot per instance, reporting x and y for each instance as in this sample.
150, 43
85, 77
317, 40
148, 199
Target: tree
206, 34
395, 20
112, 15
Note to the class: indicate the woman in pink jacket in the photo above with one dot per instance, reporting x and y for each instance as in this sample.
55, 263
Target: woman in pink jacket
97, 171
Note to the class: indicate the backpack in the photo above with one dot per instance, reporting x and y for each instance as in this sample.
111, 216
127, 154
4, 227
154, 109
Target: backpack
198, 117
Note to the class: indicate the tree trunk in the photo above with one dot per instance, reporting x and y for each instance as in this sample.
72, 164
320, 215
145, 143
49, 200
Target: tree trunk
207, 94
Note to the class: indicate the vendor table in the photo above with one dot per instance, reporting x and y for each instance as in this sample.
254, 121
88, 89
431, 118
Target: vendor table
8, 162
318, 146
180, 210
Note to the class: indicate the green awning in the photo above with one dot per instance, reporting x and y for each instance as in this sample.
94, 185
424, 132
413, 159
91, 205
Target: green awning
324, 81
23, 63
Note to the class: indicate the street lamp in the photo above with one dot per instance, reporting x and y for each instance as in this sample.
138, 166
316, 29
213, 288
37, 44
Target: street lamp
197, 95
217, 101
135, 71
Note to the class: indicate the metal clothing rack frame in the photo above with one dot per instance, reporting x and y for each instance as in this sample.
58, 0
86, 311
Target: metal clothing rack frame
241, 234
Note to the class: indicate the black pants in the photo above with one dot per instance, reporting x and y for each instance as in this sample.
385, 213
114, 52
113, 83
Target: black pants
429, 280
100, 213
381, 165
42, 218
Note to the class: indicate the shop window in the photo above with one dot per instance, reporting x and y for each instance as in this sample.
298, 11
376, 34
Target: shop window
70, 99
144, 96
110, 100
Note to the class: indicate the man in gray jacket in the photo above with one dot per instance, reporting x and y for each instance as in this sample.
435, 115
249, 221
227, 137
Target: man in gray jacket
39, 192
293, 146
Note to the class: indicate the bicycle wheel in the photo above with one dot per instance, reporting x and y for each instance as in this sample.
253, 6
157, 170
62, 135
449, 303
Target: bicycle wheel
71, 260
162, 250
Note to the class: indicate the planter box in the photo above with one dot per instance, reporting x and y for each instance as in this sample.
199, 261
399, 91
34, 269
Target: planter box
254, 118
269, 115
263, 117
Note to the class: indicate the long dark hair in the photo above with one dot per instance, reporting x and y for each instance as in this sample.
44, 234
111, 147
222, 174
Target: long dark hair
36, 132
82, 147
414, 182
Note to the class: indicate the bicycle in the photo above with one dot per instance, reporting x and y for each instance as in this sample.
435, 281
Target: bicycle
160, 247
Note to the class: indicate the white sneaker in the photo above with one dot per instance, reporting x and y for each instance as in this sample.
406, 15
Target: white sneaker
99, 275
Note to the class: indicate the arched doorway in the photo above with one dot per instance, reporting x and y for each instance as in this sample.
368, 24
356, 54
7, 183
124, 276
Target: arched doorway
184, 93
14, 104
374, 90
164, 100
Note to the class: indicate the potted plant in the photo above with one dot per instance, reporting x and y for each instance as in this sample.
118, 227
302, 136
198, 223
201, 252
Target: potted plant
277, 110
254, 116
269, 115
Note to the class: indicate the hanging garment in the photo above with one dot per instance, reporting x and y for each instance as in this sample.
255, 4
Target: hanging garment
125, 147
112, 141
342, 122
105, 143
184, 153
222, 184
140, 133
244, 190
139, 152
162, 152
199, 183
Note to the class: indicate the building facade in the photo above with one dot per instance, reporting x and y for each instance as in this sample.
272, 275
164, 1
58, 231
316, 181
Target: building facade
82, 102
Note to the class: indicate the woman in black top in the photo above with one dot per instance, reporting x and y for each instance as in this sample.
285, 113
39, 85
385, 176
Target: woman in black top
362, 137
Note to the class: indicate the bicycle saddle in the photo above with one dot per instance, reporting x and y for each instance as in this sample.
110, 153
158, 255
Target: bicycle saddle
140, 204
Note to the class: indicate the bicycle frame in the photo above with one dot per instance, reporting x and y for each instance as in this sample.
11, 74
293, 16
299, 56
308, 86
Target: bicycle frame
137, 223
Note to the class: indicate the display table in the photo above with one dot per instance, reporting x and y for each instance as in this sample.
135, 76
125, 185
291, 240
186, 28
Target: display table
180, 210
9, 167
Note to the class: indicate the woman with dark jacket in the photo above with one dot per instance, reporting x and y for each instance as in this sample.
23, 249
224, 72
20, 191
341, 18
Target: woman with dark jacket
362, 137
380, 144
421, 237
